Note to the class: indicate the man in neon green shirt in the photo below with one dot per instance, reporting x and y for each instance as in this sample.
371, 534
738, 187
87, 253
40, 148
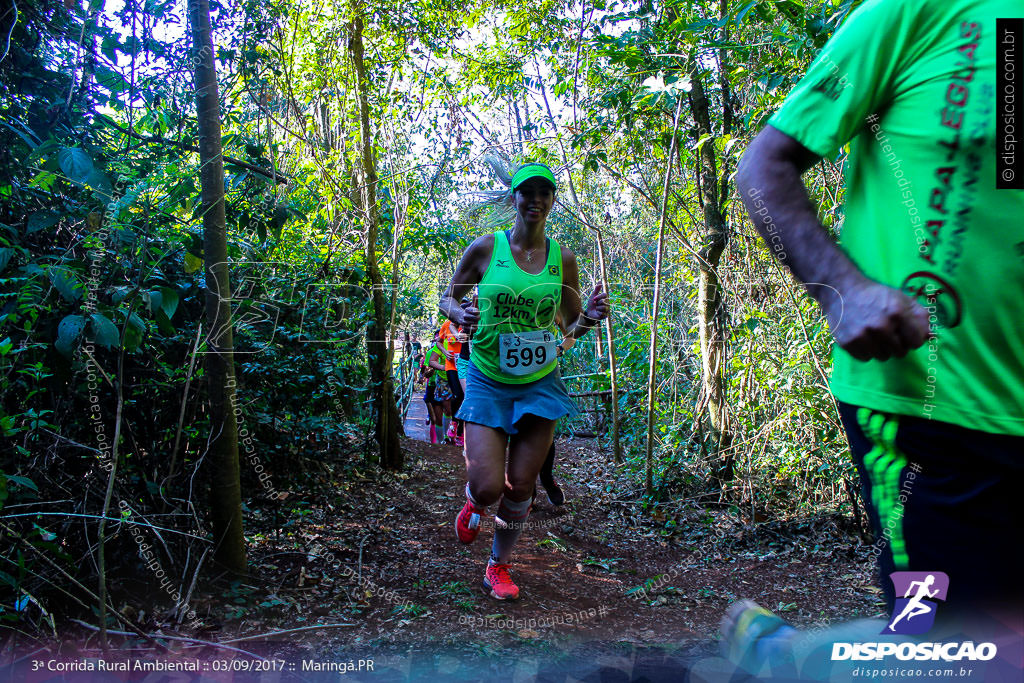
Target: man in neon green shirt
925, 293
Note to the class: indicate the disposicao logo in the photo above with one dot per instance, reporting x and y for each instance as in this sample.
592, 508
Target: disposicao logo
914, 614
915, 611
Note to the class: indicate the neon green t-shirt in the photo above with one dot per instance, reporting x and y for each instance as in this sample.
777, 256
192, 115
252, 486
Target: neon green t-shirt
911, 85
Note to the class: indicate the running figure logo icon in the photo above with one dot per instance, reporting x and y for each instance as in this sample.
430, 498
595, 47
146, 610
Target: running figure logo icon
915, 611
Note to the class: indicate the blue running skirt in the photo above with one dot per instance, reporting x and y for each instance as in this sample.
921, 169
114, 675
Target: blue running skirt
500, 406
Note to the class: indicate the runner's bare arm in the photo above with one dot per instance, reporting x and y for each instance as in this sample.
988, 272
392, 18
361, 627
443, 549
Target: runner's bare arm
468, 273
578, 320
868, 319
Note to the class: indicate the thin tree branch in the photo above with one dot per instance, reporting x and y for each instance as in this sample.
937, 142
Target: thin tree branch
279, 176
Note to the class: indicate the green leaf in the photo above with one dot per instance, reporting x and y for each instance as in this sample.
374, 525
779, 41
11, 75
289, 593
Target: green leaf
170, 301
133, 333
192, 262
109, 48
5, 257
44, 180
41, 220
154, 299
125, 237
110, 79
29, 139
66, 283
163, 323
23, 481
743, 12
279, 219
68, 332
106, 332
100, 184
44, 149
751, 324
76, 165
120, 293
79, 168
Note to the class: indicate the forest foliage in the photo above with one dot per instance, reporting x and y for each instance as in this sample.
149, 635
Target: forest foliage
102, 335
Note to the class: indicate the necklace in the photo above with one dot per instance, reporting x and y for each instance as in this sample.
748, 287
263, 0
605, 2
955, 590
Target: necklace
528, 252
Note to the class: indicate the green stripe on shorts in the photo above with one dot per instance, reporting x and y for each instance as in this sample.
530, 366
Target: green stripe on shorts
884, 464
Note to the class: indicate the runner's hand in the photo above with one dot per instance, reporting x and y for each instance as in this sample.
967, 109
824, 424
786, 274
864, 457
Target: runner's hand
871, 321
598, 306
470, 316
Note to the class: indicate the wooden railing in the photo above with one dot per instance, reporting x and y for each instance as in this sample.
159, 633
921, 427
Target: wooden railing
597, 404
405, 385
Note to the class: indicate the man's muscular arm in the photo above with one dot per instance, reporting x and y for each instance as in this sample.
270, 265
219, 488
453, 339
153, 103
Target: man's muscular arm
868, 319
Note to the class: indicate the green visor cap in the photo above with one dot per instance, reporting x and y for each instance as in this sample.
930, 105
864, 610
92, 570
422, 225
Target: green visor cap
533, 171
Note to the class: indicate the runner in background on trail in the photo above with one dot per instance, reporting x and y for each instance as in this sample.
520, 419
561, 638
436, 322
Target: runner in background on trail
547, 478
422, 377
453, 337
437, 395
514, 393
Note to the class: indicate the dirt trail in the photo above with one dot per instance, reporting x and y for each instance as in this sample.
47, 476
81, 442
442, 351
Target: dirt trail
609, 592
581, 569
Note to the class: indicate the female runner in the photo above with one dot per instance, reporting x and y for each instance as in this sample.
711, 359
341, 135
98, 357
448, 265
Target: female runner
437, 396
514, 394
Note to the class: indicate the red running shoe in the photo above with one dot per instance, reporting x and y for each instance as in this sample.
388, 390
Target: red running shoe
498, 581
467, 523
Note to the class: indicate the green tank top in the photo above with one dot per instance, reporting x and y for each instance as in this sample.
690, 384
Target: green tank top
515, 341
436, 377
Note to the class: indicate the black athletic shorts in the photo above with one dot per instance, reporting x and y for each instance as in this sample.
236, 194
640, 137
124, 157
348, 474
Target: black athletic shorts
458, 393
942, 498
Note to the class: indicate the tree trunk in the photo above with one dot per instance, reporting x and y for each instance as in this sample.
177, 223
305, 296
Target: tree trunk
610, 331
711, 307
652, 373
400, 212
598, 346
222, 460
377, 332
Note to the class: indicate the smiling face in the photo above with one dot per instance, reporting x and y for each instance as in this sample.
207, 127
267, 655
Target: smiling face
534, 199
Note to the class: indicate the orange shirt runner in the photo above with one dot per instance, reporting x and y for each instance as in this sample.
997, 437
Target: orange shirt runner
451, 344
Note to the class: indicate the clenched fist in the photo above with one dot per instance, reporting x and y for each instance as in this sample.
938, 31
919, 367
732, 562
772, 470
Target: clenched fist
871, 321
